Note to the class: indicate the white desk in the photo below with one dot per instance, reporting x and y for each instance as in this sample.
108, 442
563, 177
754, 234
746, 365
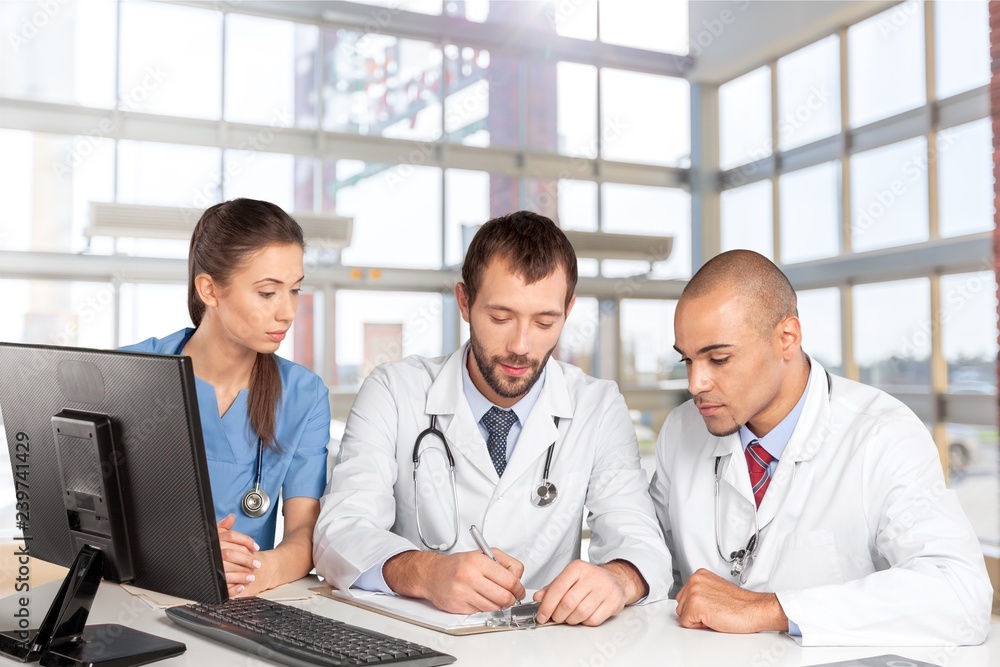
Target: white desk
646, 635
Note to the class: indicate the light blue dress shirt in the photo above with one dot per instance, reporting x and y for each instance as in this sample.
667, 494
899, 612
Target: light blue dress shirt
303, 432
774, 443
372, 579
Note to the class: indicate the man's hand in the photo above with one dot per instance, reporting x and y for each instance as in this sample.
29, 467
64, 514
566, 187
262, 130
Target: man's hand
709, 601
589, 594
462, 583
240, 556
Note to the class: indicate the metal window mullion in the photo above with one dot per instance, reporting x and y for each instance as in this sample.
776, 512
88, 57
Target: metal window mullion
849, 366
930, 49
223, 127
118, 100
775, 151
939, 370
845, 161
443, 141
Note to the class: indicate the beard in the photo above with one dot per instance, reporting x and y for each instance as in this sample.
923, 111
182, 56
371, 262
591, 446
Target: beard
489, 367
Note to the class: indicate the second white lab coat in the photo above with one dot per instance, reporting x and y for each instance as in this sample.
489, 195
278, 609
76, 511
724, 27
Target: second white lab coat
368, 511
860, 538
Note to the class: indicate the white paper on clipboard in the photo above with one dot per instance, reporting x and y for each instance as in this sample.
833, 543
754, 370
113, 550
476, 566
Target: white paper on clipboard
418, 612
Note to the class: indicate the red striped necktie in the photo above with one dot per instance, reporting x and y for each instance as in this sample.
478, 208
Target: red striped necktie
757, 463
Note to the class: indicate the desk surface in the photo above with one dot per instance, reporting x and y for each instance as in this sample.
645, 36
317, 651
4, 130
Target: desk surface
638, 636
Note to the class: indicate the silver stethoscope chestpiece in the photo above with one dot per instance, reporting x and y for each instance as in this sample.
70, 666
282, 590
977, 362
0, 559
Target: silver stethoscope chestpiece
544, 494
256, 502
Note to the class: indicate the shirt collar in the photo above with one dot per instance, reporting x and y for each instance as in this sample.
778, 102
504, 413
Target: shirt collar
776, 440
480, 405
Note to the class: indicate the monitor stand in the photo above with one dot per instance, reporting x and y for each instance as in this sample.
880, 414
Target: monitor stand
65, 640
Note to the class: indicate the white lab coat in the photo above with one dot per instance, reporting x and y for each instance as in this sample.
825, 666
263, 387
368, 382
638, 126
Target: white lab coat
860, 539
367, 513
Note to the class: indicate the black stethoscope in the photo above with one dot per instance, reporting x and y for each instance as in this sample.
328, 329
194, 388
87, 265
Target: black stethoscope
542, 494
742, 558
256, 501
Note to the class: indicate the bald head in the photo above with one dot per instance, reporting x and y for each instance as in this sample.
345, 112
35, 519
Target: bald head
754, 279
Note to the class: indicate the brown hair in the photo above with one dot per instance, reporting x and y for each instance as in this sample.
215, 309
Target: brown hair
533, 245
222, 242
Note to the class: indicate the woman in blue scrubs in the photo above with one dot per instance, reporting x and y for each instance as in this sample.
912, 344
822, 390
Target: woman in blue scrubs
258, 411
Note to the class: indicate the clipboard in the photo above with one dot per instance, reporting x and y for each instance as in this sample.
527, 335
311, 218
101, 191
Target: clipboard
424, 614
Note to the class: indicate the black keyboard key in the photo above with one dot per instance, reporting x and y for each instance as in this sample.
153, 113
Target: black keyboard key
297, 637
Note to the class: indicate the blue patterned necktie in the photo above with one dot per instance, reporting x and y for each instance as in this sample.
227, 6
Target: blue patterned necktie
498, 422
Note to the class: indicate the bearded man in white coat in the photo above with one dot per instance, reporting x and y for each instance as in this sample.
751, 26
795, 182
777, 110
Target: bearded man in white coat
395, 519
797, 501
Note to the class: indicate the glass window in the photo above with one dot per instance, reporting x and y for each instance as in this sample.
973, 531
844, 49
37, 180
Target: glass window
576, 109
648, 354
655, 26
973, 453
810, 213
889, 195
276, 85
259, 175
381, 85
401, 204
539, 195
589, 268
965, 178
58, 52
379, 327
578, 205
171, 60
819, 313
747, 220
577, 19
641, 209
432, 7
484, 93
969, 330
467, 205
48, 182
646, 118
892, 333
58, 312
578, 342
745, 118
152, 310
962, 48
886, 63
16, 179
169, 174
476, 11
809, 93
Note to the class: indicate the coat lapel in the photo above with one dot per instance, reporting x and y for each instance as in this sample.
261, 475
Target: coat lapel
809, 435
446, 398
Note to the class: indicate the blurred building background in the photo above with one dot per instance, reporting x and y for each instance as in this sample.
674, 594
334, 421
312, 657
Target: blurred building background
850, 141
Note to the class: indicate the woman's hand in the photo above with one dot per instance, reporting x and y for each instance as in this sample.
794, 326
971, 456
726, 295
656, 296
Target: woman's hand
240, 557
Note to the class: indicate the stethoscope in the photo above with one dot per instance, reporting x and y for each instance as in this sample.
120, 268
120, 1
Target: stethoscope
542, 495
741, 558
256, 501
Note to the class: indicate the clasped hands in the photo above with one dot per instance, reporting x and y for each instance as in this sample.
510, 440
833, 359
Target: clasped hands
246, 566
470, 582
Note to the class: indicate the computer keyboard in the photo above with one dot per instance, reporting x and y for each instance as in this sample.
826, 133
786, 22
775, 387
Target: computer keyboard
293, 636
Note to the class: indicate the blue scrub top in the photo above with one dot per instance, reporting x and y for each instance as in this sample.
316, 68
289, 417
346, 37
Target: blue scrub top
303, 432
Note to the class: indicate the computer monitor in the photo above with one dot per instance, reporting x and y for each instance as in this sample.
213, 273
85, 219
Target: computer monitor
111, 480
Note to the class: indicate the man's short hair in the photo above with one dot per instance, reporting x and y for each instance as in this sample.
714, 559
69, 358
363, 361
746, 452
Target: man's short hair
531, 244
768, 294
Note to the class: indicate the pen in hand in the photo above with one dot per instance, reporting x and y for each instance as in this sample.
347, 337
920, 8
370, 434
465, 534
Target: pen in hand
483, 546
